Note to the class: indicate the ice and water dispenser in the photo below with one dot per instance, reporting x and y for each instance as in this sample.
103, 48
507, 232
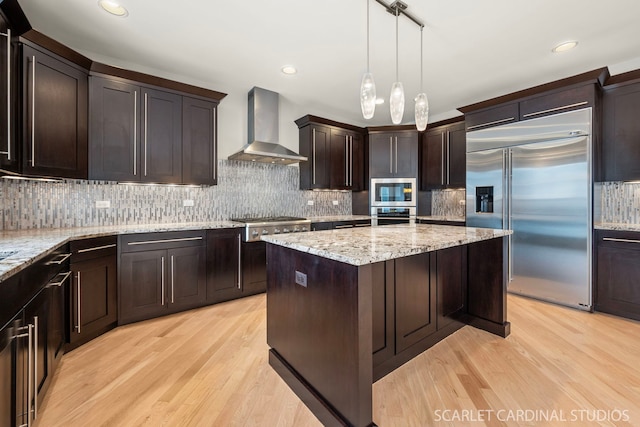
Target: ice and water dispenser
484, 199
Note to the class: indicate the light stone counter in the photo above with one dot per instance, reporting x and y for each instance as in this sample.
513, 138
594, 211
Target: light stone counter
367, 245
616, 226
441, 218
28, 246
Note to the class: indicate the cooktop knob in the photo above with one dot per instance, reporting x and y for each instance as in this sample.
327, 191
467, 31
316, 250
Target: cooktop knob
264, 231
255, 233
276, 231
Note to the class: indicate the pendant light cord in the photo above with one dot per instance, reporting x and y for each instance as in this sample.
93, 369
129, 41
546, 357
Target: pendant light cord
421, 60
396, 42
368, 64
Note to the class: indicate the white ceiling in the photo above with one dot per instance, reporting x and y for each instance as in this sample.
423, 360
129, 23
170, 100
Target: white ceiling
474, 50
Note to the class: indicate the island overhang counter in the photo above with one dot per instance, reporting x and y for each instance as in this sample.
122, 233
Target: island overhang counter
346, 307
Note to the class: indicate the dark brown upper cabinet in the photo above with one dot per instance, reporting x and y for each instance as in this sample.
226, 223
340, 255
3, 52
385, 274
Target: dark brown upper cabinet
54, 115
335, 152
568, 94
136, 133
621, 128
199, 141
393, 154
443, 157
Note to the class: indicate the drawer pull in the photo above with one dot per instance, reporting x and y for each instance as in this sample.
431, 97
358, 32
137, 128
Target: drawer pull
148, 242
551, 110
63, 258
97, 248
60, 282
510, 119
343, 226
613, 239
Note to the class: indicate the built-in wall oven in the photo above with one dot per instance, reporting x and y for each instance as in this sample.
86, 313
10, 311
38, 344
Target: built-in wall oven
393, 201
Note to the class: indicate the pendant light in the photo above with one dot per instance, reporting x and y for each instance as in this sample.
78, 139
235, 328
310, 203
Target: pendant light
396, 99
422, 103
368, 86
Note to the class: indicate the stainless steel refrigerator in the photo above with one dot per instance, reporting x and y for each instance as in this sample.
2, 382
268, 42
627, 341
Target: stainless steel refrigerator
535, 178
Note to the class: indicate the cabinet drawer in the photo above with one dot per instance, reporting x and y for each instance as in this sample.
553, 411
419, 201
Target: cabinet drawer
495, 116
559, 102
166, 240
98, 247
627, 239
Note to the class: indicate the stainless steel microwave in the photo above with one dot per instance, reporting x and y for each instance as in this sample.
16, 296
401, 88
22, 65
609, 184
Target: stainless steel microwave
393, 192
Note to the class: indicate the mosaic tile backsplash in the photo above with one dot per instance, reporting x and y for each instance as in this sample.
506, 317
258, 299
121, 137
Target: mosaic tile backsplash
448, 203
244, 189
617, 202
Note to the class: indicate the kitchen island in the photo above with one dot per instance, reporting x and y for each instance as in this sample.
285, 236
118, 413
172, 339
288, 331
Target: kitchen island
346, 307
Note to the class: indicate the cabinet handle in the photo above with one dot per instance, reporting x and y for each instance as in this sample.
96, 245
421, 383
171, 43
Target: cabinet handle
61, 281
30, 374
313, 154
162, 281
145, 133
78, 303
97, 248
215, 143
135, 132
346, 160
8, 152
351, 160
35, 367
148, 242
172, 300
509, 119
343, 226
614, 239
364, 225
239, 262
63, 258
442, 159
551, 110
396, 154
33, 111
391, 154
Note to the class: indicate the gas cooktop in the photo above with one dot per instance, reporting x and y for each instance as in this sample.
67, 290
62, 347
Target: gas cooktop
256, 227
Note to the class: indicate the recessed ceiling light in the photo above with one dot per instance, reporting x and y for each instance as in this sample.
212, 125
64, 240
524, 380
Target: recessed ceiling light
379, 101
289, 69
565, 46
113, 8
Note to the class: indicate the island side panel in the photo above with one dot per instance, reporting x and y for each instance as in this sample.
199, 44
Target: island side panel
487, 294
323, 331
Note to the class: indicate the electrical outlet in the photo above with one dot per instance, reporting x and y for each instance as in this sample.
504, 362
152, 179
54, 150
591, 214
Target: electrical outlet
335, 203
301, 279
187, 202
103, 204
309, 202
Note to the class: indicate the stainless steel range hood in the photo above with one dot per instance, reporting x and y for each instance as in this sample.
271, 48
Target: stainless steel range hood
263, 132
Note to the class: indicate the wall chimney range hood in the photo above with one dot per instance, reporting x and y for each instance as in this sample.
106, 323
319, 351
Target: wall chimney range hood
263, 132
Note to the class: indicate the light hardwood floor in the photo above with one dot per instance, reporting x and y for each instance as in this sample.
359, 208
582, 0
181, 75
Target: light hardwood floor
208, 367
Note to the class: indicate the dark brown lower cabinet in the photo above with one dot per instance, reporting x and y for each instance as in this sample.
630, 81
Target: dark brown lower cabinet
451, 284
618, 268
254, 268
161, 273
223, 264
93, 297
383, 308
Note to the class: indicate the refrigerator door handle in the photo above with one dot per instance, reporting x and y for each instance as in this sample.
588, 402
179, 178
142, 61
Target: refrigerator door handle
506, 208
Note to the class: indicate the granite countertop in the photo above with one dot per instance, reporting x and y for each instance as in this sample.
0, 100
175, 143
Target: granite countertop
360, 246
336, 218
28, 246
616, 226
441, 218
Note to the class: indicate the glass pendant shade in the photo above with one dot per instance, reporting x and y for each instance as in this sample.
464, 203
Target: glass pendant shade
422, 111
396, 103
368, 96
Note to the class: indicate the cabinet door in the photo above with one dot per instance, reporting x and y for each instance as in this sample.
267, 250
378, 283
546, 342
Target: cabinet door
494, 116
114, 126
357, 163
254, 267
161, 137
58, 291
199, 143
9, 398
55, 112
406, 154
457, 157
187, 281
142, 285
315, 145
621, 131
617, 287
415, 300
319, 226
93, 300
340, 163
433, 160
223, 265
383, 311
37, 314
380, 155
8, 79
